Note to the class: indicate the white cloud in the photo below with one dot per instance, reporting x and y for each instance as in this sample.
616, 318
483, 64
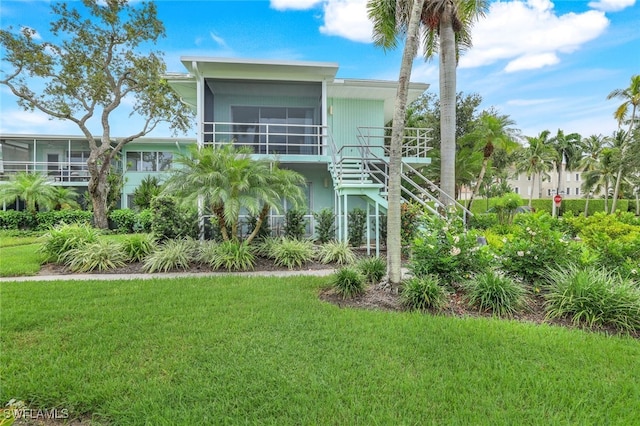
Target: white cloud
530, 35
611, 5
26, 122
219, 40
348, 19
294, 4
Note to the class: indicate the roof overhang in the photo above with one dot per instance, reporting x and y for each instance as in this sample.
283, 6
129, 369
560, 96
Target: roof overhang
374, 89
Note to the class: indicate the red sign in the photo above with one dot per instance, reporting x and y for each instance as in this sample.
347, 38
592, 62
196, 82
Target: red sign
557, 199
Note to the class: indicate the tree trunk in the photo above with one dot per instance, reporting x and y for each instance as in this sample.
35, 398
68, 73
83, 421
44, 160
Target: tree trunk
616, 191
261, 217
394, 240
447, 104
98, 188
483, 170
533, 187
586, 207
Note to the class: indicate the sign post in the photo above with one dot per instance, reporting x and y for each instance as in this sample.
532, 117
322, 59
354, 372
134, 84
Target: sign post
557, 200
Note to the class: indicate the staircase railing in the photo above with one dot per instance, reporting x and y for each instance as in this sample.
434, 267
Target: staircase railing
414, 142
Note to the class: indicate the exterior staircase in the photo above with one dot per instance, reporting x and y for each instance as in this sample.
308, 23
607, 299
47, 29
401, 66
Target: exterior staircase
362, 171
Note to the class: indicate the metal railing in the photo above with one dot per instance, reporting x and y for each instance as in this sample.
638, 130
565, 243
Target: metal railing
415, 141
267, 138
62, 171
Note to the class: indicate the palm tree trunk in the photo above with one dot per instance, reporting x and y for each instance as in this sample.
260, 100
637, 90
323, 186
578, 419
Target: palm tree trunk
261, 217
533, 187
447, 104
394, 241
586, 206
219, 212
483, 170
616, 191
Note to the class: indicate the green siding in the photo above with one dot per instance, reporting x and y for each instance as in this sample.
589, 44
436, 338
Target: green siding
346, 115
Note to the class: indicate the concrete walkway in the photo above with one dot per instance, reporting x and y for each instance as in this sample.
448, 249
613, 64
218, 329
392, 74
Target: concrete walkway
96, 277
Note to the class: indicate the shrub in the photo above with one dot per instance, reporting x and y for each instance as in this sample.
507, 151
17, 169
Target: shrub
173, 254
348, 282
171, 221
422, 293
295, 225
336, 252
149, 188
534, 247
594, 297
372, 269
13, 219
50, 219
123, 220
207, 252
445, 249
143, 221
357, 221
233, 256
101, 255
138, 246
292, 253
491, 291
61, 239
325, 225
483, 220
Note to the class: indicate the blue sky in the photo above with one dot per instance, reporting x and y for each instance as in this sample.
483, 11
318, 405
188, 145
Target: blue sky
547, 64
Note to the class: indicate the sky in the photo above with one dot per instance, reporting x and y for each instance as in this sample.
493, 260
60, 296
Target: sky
546, 64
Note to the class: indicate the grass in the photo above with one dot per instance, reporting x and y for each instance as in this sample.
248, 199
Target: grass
19, 256
266, 350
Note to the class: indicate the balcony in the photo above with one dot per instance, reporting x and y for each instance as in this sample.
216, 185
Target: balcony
57, 172
269, 138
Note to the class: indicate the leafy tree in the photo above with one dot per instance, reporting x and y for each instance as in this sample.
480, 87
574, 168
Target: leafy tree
591, 148
631, 100
34, 189
93, 64
228, 181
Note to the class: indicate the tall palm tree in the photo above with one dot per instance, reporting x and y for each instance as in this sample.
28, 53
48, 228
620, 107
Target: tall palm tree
536, 160
591, 148
603, 174
34, 189
631, 101
567, 150
493, 131
228, 181
391, 20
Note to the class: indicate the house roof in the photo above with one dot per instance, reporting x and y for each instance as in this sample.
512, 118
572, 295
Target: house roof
233, 68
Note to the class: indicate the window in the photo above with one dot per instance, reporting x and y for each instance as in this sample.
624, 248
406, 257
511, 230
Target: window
152, 161
568, 177
577, 177
549, 192
577, 191
568, 191
516, 190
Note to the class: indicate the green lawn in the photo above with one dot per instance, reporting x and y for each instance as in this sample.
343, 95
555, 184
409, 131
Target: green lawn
19, 256
266, 350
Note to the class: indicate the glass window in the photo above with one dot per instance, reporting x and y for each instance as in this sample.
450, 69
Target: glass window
165, 159
149, 162
133, 161
568, 190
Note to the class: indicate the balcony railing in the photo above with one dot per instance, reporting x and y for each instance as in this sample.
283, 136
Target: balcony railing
55, 171
267, 138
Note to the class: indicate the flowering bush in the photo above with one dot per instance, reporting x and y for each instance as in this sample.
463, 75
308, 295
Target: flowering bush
446, 250
535, 247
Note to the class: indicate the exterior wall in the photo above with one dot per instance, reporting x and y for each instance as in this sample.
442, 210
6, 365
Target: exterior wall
570, 185
346, 115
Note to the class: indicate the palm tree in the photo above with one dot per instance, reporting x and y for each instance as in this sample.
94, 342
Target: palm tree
536, 160
631, 100
228, 181
443, 20
591, 147
603, 174
64, 198
32, 188
493, 131
567, 150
